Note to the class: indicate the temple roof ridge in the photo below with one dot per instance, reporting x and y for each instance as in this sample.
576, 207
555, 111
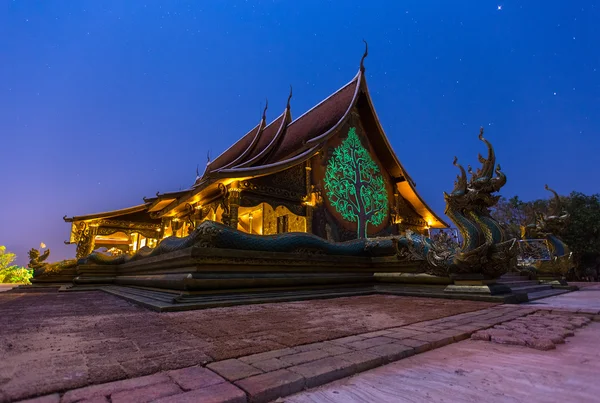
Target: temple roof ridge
108, 214
285, 120
257, 135
299, 149
325, 100
223, 154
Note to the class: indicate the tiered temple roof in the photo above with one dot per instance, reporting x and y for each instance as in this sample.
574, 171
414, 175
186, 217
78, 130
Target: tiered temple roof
285, 142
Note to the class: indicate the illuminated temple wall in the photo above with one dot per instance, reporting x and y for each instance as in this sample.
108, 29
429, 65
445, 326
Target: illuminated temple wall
263, 219
116, 236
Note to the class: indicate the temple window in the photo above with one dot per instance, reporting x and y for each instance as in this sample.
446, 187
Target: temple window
250, 219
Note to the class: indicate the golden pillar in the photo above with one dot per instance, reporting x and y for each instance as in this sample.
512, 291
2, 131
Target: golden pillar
86, 242
309, 197
397, 219
233, 200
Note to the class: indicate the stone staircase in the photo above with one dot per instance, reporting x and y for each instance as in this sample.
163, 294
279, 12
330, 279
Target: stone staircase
521, 284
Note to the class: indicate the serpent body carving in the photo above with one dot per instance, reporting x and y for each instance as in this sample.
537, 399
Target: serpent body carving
211, 234
546, 227
484, 249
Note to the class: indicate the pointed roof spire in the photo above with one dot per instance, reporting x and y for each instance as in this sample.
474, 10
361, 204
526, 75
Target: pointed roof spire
289, 98
362, 60
264, 115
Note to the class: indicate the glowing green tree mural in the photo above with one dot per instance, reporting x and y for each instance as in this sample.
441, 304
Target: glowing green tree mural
355, 186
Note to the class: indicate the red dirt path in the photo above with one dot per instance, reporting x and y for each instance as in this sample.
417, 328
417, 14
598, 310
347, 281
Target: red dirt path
57, 341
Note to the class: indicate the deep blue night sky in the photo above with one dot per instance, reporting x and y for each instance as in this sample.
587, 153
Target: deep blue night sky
104, 102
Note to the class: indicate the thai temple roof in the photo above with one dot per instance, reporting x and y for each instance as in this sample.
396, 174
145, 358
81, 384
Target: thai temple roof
284, 142
134, 213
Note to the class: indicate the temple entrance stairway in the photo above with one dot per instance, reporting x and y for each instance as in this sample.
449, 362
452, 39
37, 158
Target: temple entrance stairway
520, 283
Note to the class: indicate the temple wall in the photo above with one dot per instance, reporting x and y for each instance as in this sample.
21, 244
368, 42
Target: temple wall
341, 215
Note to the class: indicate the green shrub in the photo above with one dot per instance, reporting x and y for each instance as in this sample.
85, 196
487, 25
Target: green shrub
15, 274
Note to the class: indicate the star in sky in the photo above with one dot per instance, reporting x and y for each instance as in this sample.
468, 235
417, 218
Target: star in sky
499, 7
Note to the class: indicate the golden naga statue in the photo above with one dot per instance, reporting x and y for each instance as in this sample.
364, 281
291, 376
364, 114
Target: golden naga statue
37, 259
547, 227
44, 270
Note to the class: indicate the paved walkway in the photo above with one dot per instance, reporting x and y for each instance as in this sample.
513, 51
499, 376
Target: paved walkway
587, 298
477, 371
273, 373
52, 341
6, 287
267, 376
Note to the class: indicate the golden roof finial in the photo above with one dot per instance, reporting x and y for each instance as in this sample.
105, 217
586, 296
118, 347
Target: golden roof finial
289, 98
362, 60
264, 115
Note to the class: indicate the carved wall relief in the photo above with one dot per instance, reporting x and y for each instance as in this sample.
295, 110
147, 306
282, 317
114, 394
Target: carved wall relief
355, 188
294, 223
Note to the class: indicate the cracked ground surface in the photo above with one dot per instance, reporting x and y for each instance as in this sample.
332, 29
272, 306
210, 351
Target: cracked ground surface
541, 330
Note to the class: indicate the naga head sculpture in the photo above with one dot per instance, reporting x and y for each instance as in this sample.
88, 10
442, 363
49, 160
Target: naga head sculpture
481, 178
36, 260
556, 220
460, 185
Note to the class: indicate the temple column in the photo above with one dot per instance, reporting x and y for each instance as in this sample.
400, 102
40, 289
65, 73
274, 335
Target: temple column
80, 251
234, 200
309, 199
164, 224
92, 235
86, 242
396, 214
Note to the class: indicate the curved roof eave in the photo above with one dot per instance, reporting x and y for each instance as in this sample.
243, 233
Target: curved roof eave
408, 192
284, 122
108, 214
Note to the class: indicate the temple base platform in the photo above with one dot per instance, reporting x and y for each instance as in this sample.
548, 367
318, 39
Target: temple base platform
172, 301
197, 278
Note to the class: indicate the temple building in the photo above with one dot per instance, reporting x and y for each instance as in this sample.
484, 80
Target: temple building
330, 172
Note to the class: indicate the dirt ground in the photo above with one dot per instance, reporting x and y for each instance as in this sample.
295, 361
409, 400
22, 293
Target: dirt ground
57, 341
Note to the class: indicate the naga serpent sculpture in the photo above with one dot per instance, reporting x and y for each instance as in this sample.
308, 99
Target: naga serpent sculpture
42, 269
211, 234
546, 227
484, 249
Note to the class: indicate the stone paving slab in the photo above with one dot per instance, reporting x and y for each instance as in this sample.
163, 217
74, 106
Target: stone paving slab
52, 342
475, 371
586, 299
266, 376
189, 384
541, 330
